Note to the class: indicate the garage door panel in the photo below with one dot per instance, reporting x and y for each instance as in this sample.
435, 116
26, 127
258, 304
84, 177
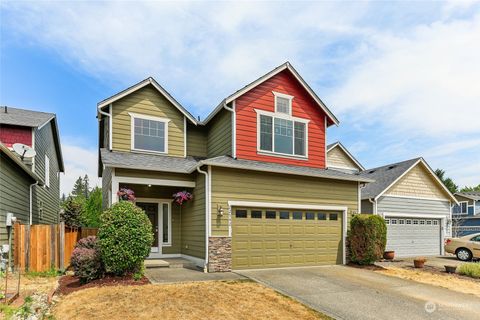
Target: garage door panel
413, 236
285, 242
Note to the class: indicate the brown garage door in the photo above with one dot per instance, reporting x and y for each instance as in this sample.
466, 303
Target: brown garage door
266, 238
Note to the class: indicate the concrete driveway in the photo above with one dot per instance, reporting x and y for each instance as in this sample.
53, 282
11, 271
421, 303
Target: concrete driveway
351, 293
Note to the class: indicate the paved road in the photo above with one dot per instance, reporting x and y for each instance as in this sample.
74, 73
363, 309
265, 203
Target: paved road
350, 293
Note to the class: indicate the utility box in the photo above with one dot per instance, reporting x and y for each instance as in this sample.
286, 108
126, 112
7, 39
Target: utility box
11, 219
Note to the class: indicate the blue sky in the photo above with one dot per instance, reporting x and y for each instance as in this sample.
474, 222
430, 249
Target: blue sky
401, 77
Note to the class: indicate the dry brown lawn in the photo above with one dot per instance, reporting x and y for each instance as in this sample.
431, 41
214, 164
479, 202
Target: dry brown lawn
446, 281
29, 284
195, 300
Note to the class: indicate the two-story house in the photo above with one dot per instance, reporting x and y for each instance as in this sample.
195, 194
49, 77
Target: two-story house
466, 213
256, 167
29, 187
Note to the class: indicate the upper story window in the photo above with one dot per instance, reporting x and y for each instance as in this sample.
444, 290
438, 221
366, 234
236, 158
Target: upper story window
461, 208
149, 133
47, 171
282, 134
283, 103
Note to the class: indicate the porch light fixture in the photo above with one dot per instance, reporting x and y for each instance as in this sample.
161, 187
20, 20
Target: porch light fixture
149, 185
219, 210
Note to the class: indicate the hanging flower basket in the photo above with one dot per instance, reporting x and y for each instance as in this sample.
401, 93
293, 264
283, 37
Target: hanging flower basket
182, 196
126, 194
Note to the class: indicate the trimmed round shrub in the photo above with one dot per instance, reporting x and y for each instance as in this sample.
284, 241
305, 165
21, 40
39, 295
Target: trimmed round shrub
125, 236
86, 260
367, 238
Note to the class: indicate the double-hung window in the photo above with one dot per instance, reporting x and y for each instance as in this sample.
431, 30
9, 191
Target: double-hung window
280, 132
149, 133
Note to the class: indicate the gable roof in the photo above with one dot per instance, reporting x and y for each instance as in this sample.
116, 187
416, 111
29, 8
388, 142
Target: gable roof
23, 117
473, 195
141, 84
341, 146
265, 77
386, 176
33, 119
20, 164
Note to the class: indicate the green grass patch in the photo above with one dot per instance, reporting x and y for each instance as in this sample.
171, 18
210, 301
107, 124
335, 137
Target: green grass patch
7, 310
44, 274
470, 269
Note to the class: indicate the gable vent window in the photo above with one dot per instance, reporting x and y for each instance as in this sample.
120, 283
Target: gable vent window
47, 171
149, 133
283, 105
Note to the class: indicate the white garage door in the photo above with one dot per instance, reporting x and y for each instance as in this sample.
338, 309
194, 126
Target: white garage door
410, 237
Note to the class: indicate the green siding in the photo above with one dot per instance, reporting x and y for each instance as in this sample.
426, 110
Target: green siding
147, 101
14, 195
196, 141
243, 185
193, 221
46, 200
219, 136
106, 186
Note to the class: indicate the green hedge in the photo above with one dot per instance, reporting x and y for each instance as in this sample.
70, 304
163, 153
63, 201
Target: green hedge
367, 238
125, 238
471, 269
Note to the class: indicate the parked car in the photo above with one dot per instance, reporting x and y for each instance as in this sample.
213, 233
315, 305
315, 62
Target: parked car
465, 248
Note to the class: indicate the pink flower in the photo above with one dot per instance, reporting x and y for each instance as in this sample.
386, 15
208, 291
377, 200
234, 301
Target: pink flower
126, 194
182, 196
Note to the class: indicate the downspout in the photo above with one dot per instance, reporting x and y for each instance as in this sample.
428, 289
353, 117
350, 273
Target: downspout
374, 205
31, 205
207, 217
234, 128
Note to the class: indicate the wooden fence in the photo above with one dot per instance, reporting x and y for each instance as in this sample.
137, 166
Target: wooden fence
45, 247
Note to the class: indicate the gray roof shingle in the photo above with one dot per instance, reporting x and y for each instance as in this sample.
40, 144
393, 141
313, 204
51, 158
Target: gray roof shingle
225, 161
22, 117
384, 176
474, 195
140, 161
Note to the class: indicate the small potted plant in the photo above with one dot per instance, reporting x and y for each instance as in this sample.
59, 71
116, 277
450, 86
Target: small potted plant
389, 255
419, 262
450, 269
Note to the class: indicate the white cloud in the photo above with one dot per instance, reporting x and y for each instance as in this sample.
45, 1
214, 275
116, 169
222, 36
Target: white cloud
423, 83
78, 162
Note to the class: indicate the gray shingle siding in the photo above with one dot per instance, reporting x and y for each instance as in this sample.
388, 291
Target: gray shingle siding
46, 200
14, 195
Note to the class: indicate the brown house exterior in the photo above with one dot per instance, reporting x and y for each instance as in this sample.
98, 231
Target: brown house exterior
262, 195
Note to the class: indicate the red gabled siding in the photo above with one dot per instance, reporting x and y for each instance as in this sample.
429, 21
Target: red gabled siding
15, 134
261, 97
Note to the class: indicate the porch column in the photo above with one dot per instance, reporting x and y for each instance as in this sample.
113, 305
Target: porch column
115, 186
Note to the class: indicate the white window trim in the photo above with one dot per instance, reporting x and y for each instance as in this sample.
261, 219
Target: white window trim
134, 116
160, 203
460, 206
285, 96
285, 117
47, 171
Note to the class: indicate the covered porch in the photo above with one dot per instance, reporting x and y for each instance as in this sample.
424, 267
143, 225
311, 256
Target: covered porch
154, 194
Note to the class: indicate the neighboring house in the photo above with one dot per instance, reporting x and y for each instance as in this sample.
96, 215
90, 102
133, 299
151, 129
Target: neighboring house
415, 204
256, 166
41, 174
339, 158
466, 214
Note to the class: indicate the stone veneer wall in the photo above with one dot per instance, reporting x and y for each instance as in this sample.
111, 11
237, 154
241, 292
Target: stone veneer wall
219, 254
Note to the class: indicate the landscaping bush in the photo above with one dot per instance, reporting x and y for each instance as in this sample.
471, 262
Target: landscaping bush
125, 237
367, 238
471, 269
72, 212
86, 260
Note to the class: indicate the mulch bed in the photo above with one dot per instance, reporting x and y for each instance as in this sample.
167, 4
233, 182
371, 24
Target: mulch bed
372, 267
69, 284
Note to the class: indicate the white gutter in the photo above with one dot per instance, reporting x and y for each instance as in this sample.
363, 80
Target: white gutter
109, 115
31, 205
207, 216
234, 127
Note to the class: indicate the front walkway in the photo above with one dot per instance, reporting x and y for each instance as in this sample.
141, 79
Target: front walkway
351, 293
176, 275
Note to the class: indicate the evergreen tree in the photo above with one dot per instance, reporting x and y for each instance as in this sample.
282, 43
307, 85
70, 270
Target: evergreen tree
78, 188
86, 187
471, 189
448, 182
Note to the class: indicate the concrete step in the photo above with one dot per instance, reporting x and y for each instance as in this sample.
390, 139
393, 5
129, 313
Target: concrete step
170, 263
